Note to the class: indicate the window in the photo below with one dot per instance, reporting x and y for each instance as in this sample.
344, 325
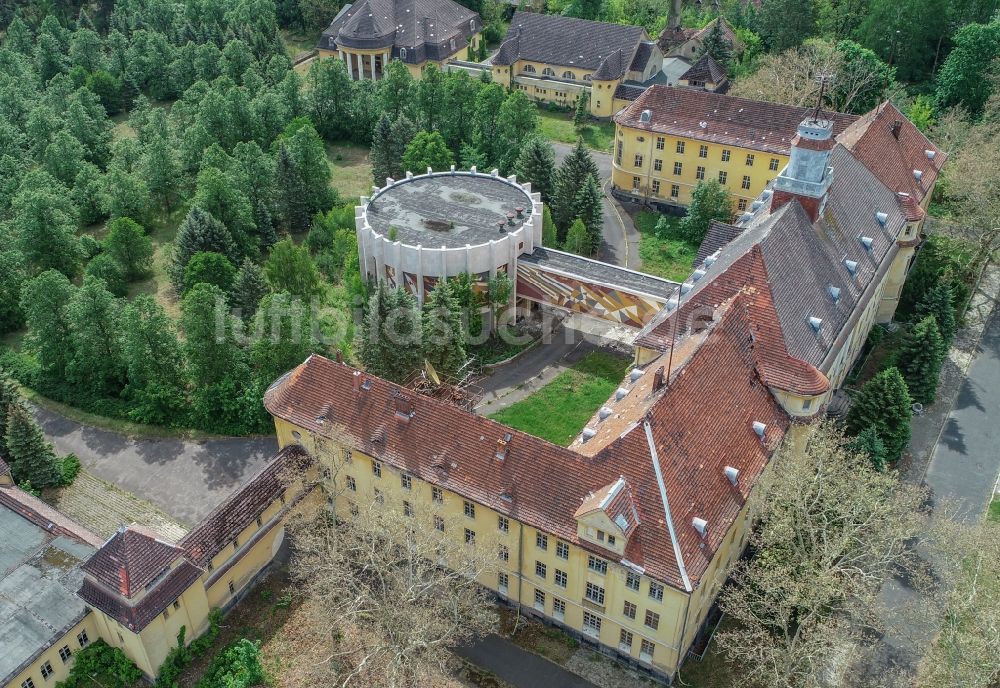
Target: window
540, 600
348, 456
745, 184
660, 143
211, 566
618, 153
503, 525
120, 638
470, 509
236, 543
548, 71
638, 160
646, 651
658, 165
749, 159
629, 610
377, 469
656, 186
82, 639
611, 540
625, 641
636, 182
177, 604
595, 593
530, 69
502, 580
27, 683
741, 204
407, 508
807, 404
560, 578
655, 591
402, 54
472, 25
64, 653
703, 151
680, 147
540, 569
232, 588
405, 481
437, 495
260, 522
562, 550
541, 541
600, 536
725, 155
568, 75
722, 177
282, 497
632, 580
678, 168
652, 620
591, 624
504, 553
439, 524
470, 536
597, 564
379, 497
587, 77
351, 485
326, 474
675, 191
773, 166
699, 172
558, 608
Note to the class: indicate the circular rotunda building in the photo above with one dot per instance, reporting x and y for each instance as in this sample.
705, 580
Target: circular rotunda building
414, 231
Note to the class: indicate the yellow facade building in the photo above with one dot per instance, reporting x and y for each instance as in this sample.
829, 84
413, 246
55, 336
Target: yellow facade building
670, 138
367, 37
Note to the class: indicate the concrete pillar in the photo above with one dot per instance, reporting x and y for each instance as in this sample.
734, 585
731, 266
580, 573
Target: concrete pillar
372, 58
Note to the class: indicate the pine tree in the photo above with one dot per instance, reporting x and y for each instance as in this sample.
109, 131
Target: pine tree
31, 457
292, 207
939, 303
199, 232
388, 341
402, 132
578, 239
10, 396
587, 206
569, 180
248, 289
870, 444
717, 45
920, 357
381, 152
443, 339
885, 405
582, 114
536, 164
550, 234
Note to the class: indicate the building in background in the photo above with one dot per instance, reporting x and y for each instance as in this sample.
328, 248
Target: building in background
554, 59
671, 138
367, 35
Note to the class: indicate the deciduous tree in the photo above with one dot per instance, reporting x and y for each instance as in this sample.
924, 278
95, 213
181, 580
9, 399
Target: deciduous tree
709, 201
94, 315
290, 269
210, 268
427, 149
44, 222
578, 239
44, 302
128, 244
154, 364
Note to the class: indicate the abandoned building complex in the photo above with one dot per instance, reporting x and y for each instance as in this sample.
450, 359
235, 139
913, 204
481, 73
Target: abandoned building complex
622, 538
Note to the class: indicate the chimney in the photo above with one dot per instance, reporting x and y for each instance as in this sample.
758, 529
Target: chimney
502, 446
896, 127
658, 379
807, 176
404, 409
340, 356
123, 580
520, 212
357, 380
510, 219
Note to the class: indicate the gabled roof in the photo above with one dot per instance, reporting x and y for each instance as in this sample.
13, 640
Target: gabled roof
615, 501
444, 445
570, 42
706, 70
642, 55
671, 38
718, 235
893, 158
131, 559
722, 119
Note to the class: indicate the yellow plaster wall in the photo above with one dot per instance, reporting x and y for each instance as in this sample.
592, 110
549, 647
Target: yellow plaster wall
602, 98
60, 669
630, 142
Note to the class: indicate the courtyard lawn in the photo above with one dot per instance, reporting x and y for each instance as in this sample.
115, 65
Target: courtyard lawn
994, 513
667, 257
558, 126
559, 410
350, 171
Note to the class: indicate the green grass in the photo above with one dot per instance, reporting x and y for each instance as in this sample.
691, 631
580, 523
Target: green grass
296, 43
670, 258
559, 410
994, 512
350, 171
558, 126
714, 670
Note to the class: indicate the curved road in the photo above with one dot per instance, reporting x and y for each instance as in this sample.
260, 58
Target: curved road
185, 478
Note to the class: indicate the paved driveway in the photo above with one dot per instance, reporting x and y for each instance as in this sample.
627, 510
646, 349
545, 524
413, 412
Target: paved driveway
621, 240
185, 478
518, 667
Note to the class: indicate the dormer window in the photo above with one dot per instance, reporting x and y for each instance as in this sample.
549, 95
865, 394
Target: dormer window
852, 266
402, 53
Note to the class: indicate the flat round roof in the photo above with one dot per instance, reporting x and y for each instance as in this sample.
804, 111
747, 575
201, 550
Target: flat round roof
448, 210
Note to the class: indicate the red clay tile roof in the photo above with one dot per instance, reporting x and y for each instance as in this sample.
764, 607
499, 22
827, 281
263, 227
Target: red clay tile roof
133, 558
447, 446
615, 500
243, 506
911, 209
727, 120
671, 37
893, 159
136, 617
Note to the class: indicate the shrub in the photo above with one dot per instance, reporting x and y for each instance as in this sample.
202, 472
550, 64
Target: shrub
238, 666
101, 664
69, 468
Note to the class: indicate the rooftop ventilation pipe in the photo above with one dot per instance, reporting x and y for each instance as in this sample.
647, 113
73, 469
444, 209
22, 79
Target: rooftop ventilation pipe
658, 379
882, 218
759, 428
701, 525
604, 413
852, 266
732, 474
588, 433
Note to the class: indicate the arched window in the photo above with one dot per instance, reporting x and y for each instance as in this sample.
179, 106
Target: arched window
548, 72
472, 25
530, 69
586, 77
451, 45
402, 53
568, 75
